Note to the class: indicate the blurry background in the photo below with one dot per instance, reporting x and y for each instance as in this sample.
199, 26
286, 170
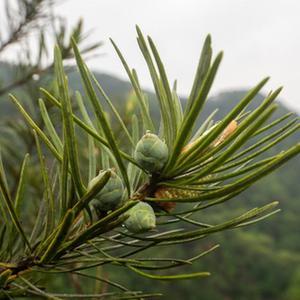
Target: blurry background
259, 38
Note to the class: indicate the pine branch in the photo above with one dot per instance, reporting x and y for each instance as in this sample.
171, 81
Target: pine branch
140, 195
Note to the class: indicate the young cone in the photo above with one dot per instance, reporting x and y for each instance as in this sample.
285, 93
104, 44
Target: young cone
151, 152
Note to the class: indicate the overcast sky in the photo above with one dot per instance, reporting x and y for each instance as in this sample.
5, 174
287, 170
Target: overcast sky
259, 37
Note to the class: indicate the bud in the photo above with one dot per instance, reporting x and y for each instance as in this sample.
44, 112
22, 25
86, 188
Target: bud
227, 132
141, 218
151, 152
112, 193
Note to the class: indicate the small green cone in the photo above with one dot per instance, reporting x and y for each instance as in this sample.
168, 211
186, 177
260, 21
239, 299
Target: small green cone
151, 152
141, 218
111, 195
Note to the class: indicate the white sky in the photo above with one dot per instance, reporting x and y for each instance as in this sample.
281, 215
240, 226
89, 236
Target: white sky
259, 38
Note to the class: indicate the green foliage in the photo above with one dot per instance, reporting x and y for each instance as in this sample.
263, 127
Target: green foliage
204, 168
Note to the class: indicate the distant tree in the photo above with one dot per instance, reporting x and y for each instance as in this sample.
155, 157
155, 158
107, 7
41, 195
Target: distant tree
293, 291
28, 29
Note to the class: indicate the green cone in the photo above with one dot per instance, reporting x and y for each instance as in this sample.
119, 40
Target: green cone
141, 218
112, 193
151, 152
